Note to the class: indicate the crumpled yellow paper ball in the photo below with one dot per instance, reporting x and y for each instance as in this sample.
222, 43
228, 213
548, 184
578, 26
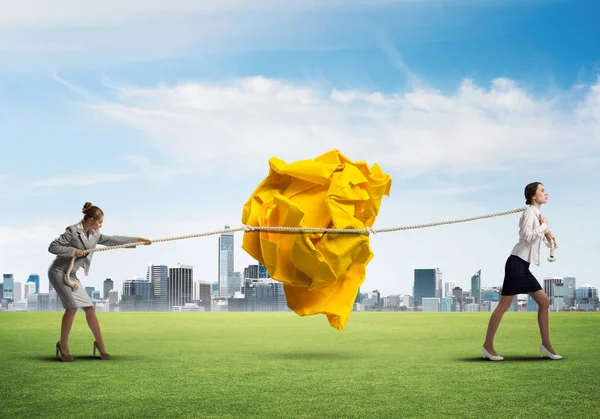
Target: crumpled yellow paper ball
321, 272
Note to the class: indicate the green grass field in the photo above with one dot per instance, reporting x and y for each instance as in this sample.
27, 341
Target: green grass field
278, 365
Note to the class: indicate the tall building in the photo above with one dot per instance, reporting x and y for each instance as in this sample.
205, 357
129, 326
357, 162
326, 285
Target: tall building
448, 287
255, 272
587, 298
201, 291
113, 298
108, 286
262, 271
263, 294
251, 272
136, 295
9, 285
214, 289
424, 285
457, 292
158, 275
439, 285
225, 262
202, 294
490, 294
17, 292
570, 285
89, 291
549, 283
34, 279
180, 285
29, 289
476, 287
235, 283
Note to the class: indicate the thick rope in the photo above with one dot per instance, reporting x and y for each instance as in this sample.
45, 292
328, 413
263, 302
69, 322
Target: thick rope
296, 230
551, 258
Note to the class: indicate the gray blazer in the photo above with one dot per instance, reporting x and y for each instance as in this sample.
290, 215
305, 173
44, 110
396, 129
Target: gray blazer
73, 238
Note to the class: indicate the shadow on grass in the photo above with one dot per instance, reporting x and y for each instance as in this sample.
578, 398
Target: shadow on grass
84, 358
313, 356
531, 358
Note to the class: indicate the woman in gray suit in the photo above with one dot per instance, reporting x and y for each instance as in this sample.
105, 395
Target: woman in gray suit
72, 243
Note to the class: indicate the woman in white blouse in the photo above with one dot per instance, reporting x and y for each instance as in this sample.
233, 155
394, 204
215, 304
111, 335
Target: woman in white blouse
518, 279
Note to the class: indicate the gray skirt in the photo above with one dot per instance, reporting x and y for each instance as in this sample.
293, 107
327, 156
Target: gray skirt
68, 297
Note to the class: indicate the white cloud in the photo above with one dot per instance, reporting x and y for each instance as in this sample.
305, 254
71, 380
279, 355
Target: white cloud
240, 124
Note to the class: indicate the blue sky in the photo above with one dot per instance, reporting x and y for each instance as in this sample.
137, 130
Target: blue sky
165, 115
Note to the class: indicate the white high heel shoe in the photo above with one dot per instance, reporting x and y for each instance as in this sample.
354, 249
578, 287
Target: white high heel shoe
544, 351
491, 357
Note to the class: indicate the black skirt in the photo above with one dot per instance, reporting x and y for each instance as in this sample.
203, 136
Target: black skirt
517, 277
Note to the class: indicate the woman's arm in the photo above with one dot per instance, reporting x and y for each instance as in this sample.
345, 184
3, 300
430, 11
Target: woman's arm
60, 245
527, 232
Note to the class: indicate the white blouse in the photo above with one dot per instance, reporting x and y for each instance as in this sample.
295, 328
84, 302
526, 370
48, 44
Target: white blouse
531, 234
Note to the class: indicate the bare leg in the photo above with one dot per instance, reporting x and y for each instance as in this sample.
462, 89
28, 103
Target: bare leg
65, 329
94, 324
543, 303
503, 305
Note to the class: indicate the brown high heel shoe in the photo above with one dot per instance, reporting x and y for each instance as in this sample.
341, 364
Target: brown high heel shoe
102, 355
63, 357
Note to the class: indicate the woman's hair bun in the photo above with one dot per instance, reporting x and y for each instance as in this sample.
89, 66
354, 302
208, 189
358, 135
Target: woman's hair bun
86, 207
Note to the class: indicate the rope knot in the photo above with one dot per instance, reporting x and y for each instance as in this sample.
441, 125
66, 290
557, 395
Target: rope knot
249, 228
371, 231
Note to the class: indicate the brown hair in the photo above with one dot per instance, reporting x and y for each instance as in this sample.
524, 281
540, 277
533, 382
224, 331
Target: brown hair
91, 211
530, 191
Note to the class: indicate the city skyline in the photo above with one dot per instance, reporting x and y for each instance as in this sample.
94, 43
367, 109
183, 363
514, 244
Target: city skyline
118, 281
261, 293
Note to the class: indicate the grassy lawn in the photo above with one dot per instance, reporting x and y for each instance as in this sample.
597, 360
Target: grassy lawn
278, 365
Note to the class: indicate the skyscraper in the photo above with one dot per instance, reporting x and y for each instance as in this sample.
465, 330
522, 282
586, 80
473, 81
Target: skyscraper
29, 289
225, 263
476, 287
549, 283
108, 286
137, 295
424, 286
457, 292
439, 284
17, 292
158, 275
35, 279
235, 284
180, 285
570, 285
201, 291
9, 284
448, 287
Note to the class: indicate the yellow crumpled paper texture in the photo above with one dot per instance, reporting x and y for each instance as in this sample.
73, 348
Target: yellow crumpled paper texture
321, 272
